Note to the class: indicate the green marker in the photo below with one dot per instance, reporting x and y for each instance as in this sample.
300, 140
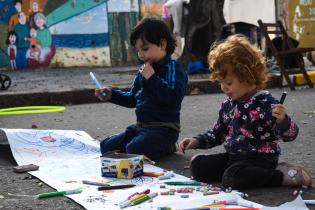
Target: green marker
58, 193
193, 183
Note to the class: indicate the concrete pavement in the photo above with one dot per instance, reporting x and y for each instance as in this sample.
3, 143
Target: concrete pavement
198, 113
74, 86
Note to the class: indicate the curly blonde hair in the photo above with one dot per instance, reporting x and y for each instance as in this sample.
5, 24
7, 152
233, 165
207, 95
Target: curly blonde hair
246, 60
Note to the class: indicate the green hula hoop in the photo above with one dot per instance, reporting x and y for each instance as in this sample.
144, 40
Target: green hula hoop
31, 110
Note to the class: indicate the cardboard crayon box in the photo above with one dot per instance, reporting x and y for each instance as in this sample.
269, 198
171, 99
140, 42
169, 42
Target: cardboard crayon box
121, 165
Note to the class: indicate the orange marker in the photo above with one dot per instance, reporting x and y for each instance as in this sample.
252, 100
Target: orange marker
152, 174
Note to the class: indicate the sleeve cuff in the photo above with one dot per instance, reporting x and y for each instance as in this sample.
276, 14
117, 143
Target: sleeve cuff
202, 143
285, 124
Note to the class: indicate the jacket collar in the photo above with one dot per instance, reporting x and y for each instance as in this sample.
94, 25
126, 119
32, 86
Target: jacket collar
161, 63
248, 95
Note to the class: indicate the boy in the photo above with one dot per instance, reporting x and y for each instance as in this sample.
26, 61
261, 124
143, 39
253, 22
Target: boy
156, 93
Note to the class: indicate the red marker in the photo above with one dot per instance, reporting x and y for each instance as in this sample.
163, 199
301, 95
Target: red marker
239, 208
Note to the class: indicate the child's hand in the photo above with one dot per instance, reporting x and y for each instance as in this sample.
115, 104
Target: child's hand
188, 143
106, 90
279, 112
146, 70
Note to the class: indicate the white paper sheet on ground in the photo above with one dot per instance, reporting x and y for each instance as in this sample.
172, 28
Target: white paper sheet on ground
66, 157
297, 204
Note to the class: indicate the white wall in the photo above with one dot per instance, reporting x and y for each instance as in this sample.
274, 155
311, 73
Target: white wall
249, 11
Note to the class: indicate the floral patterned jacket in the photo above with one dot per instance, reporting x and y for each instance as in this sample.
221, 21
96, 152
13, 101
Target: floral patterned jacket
248, 128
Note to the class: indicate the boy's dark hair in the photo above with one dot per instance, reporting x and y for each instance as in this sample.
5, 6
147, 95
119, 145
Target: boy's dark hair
153, 30
9, 34
18, 1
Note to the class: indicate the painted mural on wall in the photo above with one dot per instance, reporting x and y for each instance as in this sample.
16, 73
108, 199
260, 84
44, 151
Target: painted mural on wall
122, 15
82, 40
302, 21
63, 33
152, 7
70, 33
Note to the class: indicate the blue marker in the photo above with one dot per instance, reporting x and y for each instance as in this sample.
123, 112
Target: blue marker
98, 85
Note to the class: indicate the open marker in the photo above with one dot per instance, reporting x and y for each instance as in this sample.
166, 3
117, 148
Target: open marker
98, 85
284, 94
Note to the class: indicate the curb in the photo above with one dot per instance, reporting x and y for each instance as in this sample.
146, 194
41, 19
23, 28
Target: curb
84, 96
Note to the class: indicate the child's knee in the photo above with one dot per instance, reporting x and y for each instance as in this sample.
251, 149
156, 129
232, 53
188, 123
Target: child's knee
228, 180
196, 165
134, 148
104, 146
231, 178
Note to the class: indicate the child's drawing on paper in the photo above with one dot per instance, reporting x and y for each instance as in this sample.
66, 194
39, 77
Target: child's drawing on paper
48, 139
45, 144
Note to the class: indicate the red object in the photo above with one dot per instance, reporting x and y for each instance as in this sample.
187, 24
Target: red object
239, 208
152, 174
147, 191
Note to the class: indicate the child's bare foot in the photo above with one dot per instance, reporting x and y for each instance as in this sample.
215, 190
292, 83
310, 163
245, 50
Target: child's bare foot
294, 175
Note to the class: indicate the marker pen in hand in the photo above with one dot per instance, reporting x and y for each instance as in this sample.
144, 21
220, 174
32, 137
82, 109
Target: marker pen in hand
284, 94
98, 85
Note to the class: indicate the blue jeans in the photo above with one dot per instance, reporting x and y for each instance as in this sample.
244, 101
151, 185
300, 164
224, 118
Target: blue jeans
153, 142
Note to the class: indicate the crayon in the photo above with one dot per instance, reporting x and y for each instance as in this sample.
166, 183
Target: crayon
58, 193
115, 187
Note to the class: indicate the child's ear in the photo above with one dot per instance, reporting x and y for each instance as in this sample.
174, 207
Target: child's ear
163, 44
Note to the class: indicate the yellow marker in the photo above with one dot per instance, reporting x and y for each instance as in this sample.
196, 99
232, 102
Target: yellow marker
137, 197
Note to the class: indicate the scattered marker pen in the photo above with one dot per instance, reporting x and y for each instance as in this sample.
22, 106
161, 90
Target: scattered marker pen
115, 187
239, 209
193, 183
59, 193
152, 174
94, 183
138, 201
